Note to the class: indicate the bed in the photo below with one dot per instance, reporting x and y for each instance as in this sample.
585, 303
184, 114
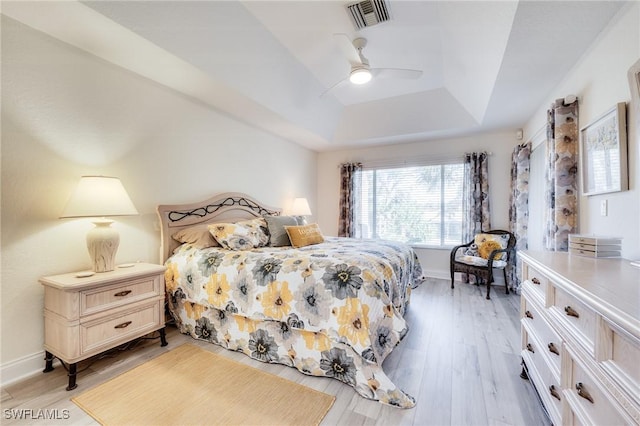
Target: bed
332, 307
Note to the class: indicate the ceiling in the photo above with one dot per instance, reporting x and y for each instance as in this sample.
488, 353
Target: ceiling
486, 65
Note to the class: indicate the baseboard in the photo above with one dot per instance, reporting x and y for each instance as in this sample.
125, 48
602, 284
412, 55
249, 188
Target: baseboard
446, 275
437, 273
22, 368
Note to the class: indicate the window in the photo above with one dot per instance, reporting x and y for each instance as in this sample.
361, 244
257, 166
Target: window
419, 205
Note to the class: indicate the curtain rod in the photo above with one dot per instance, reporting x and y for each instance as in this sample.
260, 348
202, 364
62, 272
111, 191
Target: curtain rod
413, 161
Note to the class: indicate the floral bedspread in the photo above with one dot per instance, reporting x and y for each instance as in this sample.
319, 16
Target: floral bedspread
332, 309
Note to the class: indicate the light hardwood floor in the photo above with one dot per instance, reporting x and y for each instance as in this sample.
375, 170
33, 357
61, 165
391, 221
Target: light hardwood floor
460, 361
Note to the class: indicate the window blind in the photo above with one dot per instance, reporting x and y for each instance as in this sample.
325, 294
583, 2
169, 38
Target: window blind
420, 205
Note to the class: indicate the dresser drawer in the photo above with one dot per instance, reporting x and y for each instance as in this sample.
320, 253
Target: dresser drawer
540, 374
588, 401
105, 333
579, 320
619, 355
538, 280
104, 298
626, 357
550, 342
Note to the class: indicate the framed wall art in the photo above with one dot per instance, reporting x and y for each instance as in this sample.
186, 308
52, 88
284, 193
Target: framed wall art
603, 153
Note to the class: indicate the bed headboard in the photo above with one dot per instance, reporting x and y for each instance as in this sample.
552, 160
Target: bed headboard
229, 206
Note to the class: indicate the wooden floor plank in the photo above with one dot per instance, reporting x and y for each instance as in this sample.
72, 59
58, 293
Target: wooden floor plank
460, 360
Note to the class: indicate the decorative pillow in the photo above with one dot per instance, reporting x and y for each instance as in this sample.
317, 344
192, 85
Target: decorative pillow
278, 236
304, 235
197, 235
302, 220
242, 235
486, 243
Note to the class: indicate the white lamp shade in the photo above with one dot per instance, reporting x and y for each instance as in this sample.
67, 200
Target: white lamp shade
99, 196
300, 207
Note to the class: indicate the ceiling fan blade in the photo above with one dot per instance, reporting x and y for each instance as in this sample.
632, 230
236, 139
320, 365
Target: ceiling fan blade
347, 48
396, 73
338, 84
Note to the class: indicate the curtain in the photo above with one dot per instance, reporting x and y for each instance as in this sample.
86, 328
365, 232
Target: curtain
519, 207
475, 195
561, 193
349, 185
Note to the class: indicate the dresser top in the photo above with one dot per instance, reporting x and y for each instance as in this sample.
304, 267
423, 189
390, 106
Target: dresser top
75, 281
609, 285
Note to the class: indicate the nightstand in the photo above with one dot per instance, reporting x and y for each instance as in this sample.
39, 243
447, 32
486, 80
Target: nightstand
84, 316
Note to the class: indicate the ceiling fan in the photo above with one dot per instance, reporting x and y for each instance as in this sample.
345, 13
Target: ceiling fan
362, 73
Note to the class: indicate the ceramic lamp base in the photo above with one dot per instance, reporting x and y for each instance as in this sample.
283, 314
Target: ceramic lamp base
102, 242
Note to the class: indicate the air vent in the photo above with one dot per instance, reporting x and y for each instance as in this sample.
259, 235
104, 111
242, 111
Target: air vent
369, 12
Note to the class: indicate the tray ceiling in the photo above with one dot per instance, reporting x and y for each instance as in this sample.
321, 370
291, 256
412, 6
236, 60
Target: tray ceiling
486, 65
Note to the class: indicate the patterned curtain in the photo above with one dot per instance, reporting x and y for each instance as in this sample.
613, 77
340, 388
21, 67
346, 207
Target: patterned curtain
519, 207
349, 185
561, 194
476, 195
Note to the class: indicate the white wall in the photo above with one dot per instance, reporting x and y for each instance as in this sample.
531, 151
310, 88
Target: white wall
599, 80
66, 113
435, 262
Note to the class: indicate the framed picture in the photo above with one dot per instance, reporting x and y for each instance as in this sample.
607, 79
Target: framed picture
603, 153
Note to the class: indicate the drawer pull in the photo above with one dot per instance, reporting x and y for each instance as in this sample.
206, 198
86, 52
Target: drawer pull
583, 392
528, 314
571, 312
535, 281
554, 393
530, 348
123, 325
122, 293
553, 349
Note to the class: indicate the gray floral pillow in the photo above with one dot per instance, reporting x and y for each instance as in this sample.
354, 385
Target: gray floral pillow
243, 235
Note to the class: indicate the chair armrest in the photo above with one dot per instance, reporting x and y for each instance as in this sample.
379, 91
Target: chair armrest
494, 253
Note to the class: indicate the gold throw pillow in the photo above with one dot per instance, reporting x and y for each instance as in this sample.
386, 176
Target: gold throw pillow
304, 235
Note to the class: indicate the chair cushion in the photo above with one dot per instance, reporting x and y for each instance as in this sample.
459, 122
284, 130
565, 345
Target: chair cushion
479, 261
484, 244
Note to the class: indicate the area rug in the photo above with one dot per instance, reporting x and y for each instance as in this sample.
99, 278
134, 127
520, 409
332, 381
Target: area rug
191, 386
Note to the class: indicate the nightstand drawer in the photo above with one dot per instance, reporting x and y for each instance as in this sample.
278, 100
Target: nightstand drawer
114, 330
105, 298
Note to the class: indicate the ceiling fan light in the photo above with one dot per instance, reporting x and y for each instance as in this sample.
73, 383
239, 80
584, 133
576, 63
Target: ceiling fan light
360, 76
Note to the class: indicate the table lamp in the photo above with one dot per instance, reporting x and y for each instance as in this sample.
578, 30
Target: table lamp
300, 207
99, 197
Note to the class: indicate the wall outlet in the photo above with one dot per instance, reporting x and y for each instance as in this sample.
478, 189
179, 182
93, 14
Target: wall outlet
604, 206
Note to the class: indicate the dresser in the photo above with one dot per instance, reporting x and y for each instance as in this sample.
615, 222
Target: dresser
580, 321
87, 315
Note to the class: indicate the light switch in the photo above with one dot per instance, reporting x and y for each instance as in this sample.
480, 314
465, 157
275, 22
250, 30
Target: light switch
603, 208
